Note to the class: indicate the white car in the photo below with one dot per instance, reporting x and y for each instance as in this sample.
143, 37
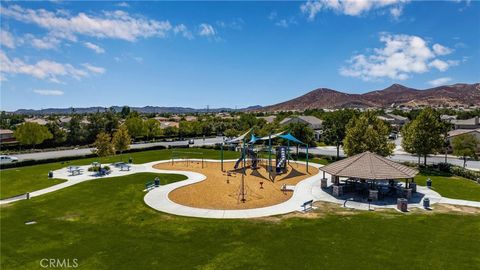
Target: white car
7, 159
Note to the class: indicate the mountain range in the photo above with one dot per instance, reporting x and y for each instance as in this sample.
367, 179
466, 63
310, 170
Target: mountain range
146, 109
396, 94
460, 94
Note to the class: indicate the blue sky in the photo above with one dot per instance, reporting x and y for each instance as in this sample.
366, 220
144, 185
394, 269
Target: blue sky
228, 54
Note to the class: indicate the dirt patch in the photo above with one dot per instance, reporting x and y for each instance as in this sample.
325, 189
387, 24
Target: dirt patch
222, 190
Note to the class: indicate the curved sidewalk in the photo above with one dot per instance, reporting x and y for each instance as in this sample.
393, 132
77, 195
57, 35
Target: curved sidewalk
158, 199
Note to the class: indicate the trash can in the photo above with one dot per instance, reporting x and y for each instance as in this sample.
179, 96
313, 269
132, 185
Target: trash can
429, 183
157, 182
50, 174
426, 203
402, 204
130, 160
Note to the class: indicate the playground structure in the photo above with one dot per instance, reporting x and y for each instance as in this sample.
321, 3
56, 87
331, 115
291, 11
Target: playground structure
251, 157
185, 158
249, 153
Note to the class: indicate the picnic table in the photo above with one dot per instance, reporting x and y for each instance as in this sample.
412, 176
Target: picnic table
74, 170
125, 167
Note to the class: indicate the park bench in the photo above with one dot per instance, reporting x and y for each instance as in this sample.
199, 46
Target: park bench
150, 185
308, 205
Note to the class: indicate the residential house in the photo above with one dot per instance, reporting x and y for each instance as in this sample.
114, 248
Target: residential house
472, 123
312, 121
7, 136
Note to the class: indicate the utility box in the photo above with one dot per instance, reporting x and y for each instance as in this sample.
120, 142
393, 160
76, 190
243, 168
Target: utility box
323, 183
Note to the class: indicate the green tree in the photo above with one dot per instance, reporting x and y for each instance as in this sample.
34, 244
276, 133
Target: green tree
121, 139
125, 112
367, 133
111, 120
97, 124
230, 133
170, 131
334, 127
76, 133
423, 135
59, 135
465, 146
152, 128
103, 145
302, 132
32, 134
135, 126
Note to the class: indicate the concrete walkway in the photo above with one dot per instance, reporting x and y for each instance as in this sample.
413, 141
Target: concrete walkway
308, 189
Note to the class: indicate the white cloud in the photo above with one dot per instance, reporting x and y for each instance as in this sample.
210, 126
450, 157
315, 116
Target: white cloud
97, 49
396, 12
112, 24
182, 29
94, 69
350, 7
235, 24
401, 56
285, 23
44, 92
44, 69
45, 43
7, 39
206, 30
439, 64
440, 81
123, 4
441, 50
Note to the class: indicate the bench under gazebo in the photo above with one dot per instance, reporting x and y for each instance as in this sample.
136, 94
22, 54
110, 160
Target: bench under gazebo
370, 175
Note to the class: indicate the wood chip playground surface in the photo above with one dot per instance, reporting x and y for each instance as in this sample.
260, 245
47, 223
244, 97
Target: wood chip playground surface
222, 190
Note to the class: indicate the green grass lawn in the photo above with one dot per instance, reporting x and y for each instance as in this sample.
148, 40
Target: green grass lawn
106, 225
30, 178
454, 187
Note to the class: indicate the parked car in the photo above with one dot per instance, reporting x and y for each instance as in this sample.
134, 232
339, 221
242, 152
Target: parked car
392, 136
191, 141
7, 159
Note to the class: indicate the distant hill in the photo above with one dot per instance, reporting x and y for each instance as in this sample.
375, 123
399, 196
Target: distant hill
396, 94
146, 109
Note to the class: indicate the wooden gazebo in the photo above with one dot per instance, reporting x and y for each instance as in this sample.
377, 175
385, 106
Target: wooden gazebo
368, 166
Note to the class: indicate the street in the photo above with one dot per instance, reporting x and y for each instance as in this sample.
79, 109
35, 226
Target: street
399, 155
86, 151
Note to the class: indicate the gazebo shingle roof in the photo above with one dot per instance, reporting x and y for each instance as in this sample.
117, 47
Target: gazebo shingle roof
369, 166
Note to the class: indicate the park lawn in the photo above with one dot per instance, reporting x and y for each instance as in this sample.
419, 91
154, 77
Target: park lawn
106, 225
20, 180
451, 186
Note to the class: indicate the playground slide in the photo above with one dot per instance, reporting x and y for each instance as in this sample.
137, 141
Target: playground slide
281, 162
253, 156
238, 163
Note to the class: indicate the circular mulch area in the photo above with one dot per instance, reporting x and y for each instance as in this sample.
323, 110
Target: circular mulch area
222, 190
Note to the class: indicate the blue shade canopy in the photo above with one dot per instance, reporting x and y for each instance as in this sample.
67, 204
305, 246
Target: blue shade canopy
290, 137
253, 139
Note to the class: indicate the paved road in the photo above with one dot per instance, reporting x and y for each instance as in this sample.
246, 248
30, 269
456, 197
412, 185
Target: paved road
399, 156
86, 151
326, 151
